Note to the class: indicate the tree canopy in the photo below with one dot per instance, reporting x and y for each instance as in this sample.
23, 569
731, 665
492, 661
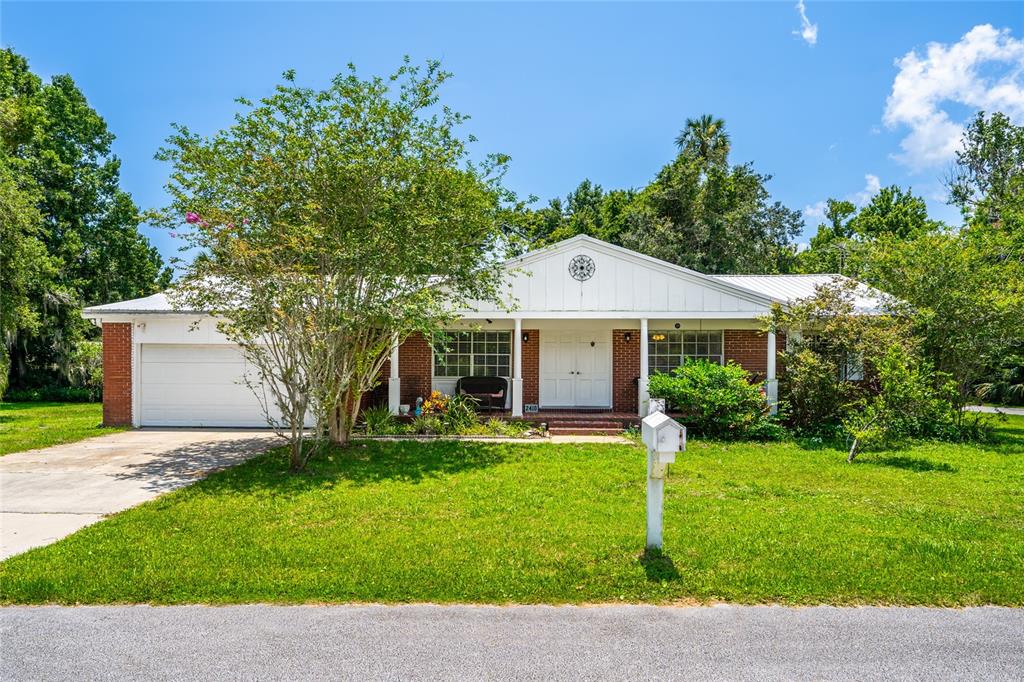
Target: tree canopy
72, 239
331, 224
699, 211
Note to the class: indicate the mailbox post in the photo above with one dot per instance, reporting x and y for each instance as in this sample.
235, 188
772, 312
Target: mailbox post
664, 437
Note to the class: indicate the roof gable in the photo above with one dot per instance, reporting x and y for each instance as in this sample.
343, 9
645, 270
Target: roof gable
621, 281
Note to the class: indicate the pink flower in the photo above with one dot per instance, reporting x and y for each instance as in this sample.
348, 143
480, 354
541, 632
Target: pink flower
245, 221
203, 223
231, 226
192, 217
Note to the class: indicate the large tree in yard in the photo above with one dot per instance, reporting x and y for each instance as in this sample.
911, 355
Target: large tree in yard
331, 224
69, 235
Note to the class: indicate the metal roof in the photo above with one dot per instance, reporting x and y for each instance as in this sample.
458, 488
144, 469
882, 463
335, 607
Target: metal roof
793, 287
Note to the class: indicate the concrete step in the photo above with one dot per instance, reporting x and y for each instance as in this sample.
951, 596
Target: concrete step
583, 431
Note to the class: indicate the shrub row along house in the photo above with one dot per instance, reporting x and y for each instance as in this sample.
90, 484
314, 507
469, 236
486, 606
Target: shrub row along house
591, 322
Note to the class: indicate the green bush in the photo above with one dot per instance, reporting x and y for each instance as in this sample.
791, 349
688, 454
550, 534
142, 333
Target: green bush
913, 401
716, 400
378, 421
426, 425
459, 415
816, 399
53, 394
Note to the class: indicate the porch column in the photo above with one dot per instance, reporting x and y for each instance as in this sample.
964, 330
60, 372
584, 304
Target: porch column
394, 382
771, 384
517, 369
643, 397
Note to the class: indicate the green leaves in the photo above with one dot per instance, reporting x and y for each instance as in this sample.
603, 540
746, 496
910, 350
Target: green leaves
716, 400
333, 222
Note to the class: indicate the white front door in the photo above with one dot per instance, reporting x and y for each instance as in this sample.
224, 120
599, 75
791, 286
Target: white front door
575, 369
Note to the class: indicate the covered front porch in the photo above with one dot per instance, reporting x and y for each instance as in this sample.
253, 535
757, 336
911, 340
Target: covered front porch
572, 369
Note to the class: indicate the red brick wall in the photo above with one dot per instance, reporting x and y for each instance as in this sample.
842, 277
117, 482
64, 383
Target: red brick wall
531, 367
625, 369
117, 374
414, 367
749, 349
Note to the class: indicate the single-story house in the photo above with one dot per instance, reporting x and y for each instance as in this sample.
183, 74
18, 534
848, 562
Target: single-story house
592, 321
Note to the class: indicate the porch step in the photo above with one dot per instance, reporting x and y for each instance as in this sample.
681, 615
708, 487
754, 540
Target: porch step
586, 423
584, 431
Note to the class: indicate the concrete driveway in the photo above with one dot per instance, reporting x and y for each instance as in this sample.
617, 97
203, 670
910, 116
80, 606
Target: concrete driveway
50, 493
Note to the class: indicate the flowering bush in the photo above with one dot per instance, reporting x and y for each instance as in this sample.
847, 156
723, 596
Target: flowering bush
436, 403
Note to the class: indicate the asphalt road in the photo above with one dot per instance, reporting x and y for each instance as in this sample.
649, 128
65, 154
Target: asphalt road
495, 643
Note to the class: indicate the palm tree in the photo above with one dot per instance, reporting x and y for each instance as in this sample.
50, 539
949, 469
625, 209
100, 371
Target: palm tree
706, 138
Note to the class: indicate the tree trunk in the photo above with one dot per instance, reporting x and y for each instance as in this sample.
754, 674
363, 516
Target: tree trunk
334, 425
853, 450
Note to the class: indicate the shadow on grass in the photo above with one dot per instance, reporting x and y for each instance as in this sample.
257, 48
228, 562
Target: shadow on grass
658, 566
358, 464
918, 464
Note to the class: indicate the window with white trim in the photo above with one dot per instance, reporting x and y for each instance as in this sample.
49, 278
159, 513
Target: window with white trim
667, 350
473, 354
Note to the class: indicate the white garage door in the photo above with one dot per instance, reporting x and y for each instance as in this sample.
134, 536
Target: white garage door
184, 385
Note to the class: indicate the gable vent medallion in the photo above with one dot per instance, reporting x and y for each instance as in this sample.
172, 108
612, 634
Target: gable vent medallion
582, 268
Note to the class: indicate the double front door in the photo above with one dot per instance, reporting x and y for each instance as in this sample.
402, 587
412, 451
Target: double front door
575, 369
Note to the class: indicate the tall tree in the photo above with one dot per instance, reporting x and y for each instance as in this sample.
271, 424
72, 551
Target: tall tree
988, 179
57, 145
703, 213
841, 242
333, 223
705, 138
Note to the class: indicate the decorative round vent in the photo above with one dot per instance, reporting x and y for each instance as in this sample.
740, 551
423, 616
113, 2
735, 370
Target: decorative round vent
581, 268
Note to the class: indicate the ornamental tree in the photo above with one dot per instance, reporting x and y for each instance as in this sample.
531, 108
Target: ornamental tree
329, 224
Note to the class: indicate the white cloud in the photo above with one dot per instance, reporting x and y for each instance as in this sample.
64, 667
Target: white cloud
808, 31
872, 185
815, 211
984, 70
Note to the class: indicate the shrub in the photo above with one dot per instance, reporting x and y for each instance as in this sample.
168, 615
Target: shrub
715, 400
913, 401
53, 394
816, 399
426, 425
460, 414
378, 421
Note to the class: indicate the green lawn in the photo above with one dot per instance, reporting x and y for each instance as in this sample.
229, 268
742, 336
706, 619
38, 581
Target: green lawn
499, 523
26, 426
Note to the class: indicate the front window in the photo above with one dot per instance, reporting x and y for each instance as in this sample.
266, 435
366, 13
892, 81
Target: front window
473, 354
667, 350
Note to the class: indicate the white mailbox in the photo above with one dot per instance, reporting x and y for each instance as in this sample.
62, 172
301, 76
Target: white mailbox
664, 437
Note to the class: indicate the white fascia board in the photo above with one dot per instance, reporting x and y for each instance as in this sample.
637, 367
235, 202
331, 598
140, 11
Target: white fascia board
612, 315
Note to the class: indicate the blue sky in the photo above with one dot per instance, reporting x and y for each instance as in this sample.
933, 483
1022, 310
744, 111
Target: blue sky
571, 90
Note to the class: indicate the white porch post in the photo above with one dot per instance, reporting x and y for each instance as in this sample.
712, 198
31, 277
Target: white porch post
394, 382
643, 397
517, 369
771, 383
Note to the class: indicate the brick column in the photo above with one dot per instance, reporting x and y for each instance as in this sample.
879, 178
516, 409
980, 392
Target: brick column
531, 367
414, 367
625, 370
117, 374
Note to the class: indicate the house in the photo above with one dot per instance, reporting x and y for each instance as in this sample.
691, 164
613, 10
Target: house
592, 322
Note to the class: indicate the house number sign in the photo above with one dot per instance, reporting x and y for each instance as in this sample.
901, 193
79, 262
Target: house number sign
581, 268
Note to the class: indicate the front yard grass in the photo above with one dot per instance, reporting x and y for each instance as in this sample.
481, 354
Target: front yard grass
525, 523
26, 426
